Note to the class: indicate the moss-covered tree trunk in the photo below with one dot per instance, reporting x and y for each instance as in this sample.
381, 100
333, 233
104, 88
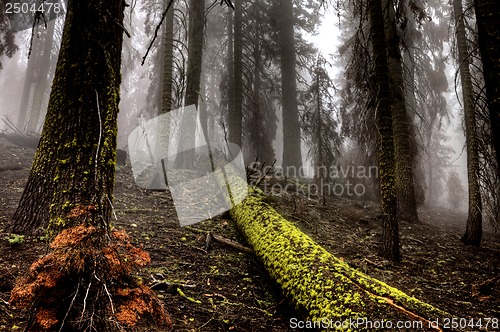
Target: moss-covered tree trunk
85, 130
75, 162
390, 232
84, 283
323, 286
407, 207
474, 230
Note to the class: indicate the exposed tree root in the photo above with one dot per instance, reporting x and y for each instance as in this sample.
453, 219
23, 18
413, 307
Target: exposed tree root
86, 284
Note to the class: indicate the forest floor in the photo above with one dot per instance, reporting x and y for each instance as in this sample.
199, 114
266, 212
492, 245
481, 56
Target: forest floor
228, 290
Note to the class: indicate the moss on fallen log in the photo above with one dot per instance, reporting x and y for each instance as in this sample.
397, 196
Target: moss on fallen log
322, 285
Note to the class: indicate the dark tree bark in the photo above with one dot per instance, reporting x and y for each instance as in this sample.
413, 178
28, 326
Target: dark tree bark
237, 111
196, 38
79, 284
75, 162
261, 119
80, 121
320, 163
411, 102
195, 49
168, 59
407, 207
390, 232
292, 156
230, 68
488, 18
474, 230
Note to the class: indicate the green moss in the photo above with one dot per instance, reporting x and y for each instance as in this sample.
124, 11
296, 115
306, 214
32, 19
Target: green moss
71, 145
318, 282
66, 206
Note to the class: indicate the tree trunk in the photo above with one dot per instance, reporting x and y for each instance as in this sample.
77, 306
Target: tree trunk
30, 216
195, 57
237, 111
261, 119
168, 61
61, 177
257, 135
80, 130
230, 69
320, 284
319, 136
405, 190
474, 230
411, 102
385, 141
84, 283
292, 156
487, 18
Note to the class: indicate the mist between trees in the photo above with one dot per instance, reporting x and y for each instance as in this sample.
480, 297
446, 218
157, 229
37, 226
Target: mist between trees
262, 83
262, 79
374, 121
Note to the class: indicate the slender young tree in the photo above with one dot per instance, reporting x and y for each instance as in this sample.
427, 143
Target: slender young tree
390, 229
319, 127
474, 230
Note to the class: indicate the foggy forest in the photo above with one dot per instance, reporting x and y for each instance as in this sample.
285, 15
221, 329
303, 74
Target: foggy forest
261, 165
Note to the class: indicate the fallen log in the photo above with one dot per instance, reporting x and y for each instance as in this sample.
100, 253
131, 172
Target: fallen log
23, 141
327, 290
